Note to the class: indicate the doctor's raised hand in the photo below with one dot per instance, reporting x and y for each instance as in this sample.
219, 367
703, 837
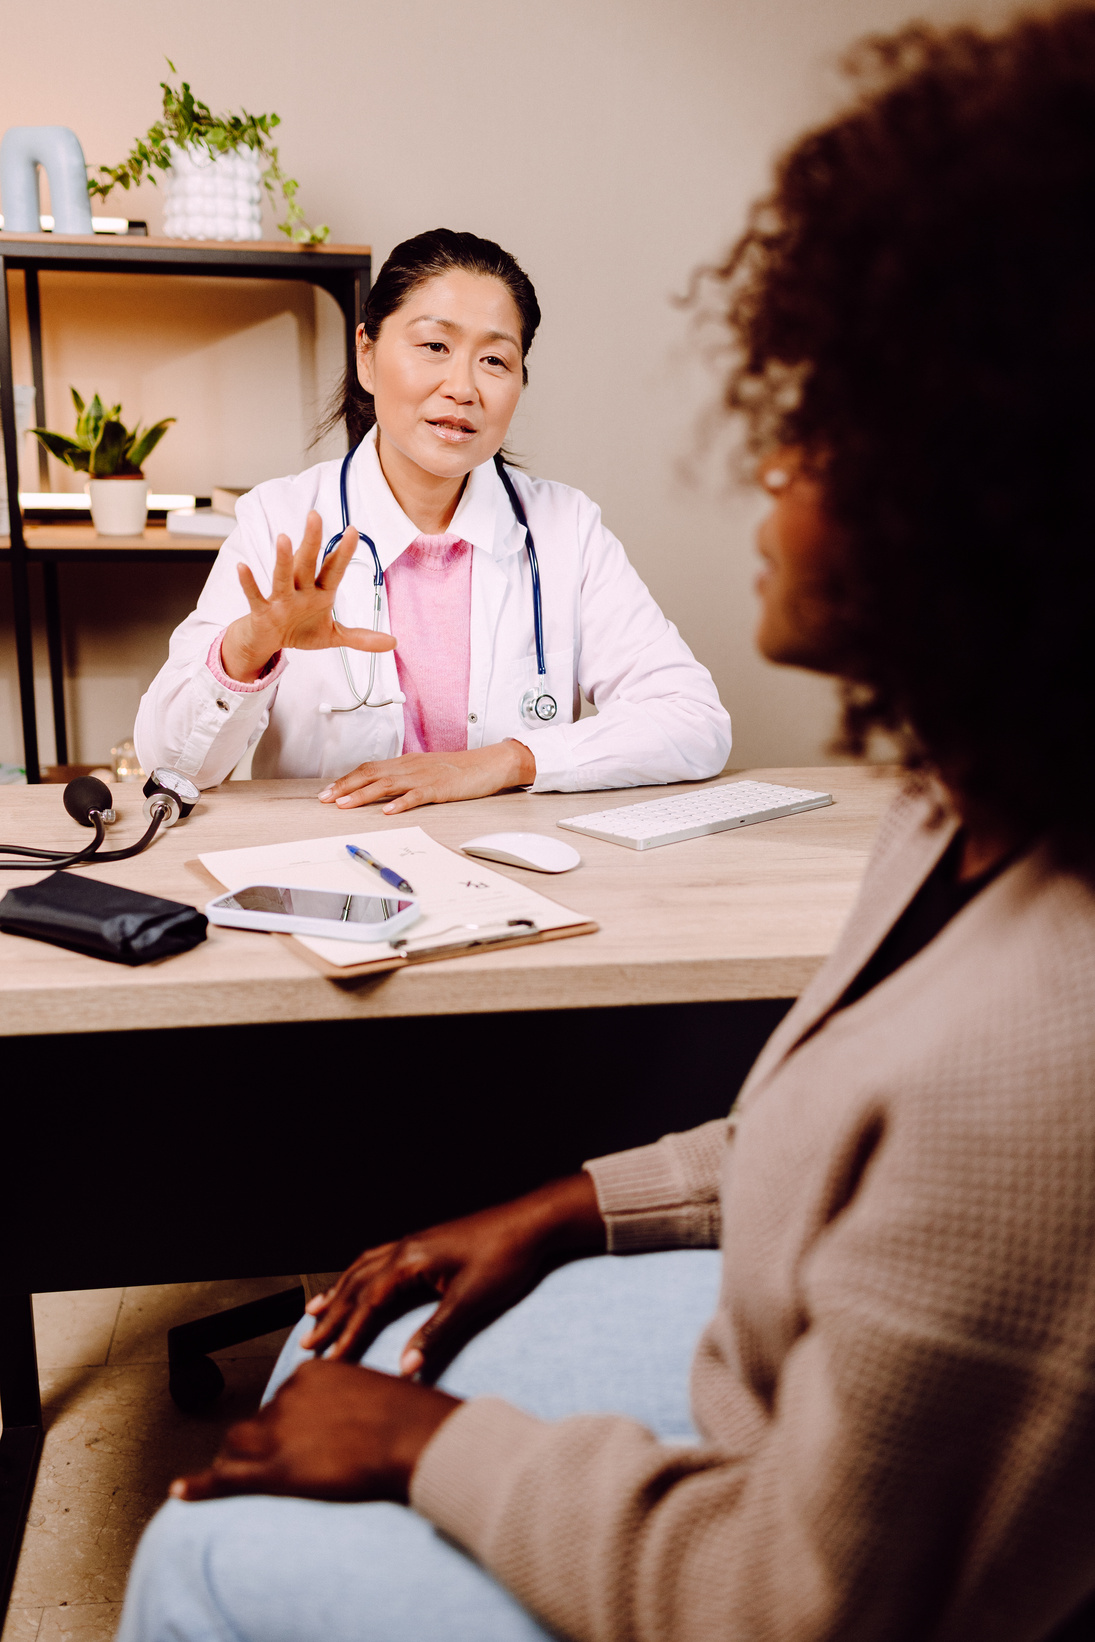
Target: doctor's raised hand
299, 614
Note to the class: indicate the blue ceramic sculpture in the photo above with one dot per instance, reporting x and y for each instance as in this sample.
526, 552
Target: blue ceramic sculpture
23, 150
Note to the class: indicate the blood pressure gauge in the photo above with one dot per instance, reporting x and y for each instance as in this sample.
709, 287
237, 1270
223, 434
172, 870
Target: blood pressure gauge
173, 794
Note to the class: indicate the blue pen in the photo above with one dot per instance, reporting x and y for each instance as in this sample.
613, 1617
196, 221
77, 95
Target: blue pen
386, 873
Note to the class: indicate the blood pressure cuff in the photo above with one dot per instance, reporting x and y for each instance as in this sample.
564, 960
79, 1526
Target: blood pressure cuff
101, 919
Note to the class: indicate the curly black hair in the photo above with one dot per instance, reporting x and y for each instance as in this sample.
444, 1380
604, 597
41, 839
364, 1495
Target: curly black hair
914, 307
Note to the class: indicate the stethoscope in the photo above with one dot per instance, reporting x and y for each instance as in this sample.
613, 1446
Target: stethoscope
537, 705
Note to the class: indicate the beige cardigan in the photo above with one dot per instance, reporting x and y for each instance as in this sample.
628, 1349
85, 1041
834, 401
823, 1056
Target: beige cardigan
897, 1391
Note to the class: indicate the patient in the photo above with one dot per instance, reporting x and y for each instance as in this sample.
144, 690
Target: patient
893, 1390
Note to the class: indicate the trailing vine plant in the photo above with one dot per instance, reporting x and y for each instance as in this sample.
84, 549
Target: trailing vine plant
186, 120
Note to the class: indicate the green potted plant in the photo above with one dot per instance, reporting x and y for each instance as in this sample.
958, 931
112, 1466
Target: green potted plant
217, 165
112, 457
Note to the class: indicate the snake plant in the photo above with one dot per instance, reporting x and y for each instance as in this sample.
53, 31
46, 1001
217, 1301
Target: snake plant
103, 448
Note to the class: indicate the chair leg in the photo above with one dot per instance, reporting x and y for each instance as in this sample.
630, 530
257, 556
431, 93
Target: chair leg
194, 1381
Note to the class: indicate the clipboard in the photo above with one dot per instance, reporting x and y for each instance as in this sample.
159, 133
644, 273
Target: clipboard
467, 907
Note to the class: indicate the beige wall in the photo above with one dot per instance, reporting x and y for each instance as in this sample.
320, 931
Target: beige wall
611, 144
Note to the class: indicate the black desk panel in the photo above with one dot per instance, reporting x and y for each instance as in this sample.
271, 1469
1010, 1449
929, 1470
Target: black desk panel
174, 1156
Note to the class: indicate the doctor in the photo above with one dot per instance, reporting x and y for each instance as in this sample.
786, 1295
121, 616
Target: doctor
495, 635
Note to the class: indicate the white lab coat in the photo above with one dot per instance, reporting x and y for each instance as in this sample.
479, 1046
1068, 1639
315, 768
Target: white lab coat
658, 716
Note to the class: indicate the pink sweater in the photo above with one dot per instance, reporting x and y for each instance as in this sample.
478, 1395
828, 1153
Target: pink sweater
429, 609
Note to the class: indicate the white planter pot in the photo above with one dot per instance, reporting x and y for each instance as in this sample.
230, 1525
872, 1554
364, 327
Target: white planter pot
119, 507
213, 197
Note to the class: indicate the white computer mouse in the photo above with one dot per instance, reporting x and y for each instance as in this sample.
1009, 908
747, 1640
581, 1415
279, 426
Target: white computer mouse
524, 849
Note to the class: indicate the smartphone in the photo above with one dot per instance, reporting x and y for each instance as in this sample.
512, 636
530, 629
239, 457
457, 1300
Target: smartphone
325, 912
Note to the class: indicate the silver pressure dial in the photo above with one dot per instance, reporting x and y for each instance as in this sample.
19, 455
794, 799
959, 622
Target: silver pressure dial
170, 792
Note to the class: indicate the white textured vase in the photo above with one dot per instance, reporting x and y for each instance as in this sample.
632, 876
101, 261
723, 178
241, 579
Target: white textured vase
119, 507
213, 197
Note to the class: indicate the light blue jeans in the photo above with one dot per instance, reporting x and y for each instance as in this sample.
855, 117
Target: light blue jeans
609, 1335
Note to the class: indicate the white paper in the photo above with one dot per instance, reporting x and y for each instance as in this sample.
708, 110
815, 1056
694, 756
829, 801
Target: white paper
454, 891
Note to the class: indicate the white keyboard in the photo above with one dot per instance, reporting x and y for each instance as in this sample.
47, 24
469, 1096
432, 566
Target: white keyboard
694, 814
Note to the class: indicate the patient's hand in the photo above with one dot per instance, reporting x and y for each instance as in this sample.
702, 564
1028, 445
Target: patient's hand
333, 1431
433, 778
479, 1266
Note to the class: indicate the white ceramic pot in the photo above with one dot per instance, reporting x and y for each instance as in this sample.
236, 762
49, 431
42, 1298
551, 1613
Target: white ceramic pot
119, 507
213, 197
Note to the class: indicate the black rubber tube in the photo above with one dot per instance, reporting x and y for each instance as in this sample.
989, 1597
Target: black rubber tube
123, 855
91, 856
31, 858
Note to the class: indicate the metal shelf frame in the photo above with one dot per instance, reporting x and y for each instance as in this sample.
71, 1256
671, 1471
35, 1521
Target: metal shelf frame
344, 271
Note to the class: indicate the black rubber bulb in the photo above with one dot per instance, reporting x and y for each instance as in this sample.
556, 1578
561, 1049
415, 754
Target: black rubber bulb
85, 794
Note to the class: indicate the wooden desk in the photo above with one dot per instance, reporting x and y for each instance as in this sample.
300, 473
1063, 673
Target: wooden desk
746, 914
252, 1117
205, 1080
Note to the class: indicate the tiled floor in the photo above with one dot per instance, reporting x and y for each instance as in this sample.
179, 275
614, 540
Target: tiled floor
114, 1440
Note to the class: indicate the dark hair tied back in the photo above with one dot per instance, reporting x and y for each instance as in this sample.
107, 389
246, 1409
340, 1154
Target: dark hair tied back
411, 264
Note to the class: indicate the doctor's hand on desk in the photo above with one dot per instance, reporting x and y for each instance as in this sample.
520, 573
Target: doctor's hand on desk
478, 1267
434, 778
299, 614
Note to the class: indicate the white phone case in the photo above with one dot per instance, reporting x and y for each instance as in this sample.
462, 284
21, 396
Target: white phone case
331, 929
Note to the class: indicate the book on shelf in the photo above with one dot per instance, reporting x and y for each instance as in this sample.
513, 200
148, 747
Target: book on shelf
225, 498
199, 521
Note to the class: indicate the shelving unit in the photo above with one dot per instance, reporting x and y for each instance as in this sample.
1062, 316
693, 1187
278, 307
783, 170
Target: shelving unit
344, 271
80, 544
